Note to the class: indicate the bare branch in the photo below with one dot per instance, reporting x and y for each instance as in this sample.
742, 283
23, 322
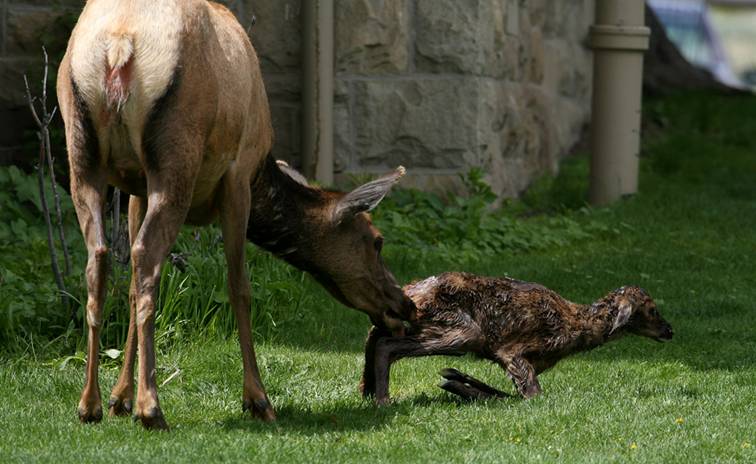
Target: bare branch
52, 114
45, 158
56, 195
44, 83
30, 101
46, 213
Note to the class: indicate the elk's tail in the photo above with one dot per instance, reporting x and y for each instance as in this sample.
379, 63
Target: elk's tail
120, 61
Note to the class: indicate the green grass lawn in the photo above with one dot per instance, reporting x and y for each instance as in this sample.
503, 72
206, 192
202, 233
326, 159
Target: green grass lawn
689, 238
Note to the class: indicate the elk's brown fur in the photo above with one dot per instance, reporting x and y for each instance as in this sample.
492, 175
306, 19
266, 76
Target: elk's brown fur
164, 99
524, 327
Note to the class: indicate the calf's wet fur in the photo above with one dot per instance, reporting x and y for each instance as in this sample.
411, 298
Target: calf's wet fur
523, 327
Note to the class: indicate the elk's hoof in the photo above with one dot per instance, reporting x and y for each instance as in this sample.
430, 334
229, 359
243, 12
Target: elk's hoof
119, 407
153, 420
90, 415
260, 409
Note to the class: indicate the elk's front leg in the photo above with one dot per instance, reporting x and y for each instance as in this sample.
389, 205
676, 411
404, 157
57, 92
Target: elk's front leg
88, 189
522, 374
122, 397
235, 207
367, 383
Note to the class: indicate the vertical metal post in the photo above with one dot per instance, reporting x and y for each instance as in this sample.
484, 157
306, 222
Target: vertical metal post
619, 39
318, 89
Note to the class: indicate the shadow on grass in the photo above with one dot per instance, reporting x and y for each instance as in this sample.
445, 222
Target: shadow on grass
349, 417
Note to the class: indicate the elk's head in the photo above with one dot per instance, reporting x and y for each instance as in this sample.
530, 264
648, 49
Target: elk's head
346, 259
637, 314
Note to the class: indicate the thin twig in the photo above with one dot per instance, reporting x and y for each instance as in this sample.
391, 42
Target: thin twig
48, 222
44, 84
45, 157
115, 225
58, 211
45, 130
30, 101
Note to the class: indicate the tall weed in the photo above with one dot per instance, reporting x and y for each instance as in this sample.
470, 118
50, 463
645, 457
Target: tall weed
193, 297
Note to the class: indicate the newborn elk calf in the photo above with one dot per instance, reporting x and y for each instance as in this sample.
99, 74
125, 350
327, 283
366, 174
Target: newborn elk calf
524, 327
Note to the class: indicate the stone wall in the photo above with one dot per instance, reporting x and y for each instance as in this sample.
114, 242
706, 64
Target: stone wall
439, 86
444, 85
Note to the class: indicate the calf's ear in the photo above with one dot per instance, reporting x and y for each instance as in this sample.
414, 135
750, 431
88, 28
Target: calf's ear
366, 197
623, 315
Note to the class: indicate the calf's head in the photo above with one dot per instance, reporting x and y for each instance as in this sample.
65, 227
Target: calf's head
350, 266
637, 314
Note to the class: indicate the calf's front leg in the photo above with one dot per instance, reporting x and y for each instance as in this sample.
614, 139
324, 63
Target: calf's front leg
522, 374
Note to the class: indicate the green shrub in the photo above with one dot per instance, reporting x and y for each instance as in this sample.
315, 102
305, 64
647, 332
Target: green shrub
464, 229
193, 297
29, 300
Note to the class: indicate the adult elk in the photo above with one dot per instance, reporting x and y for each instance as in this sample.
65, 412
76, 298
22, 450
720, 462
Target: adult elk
164, 99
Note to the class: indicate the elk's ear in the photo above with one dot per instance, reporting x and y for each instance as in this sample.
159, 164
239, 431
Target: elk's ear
623, 315
366, 197
291, 172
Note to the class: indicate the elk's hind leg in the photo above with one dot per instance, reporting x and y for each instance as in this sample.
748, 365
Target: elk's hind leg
235, 207
168, 202
122, 397
88, 194
88, 190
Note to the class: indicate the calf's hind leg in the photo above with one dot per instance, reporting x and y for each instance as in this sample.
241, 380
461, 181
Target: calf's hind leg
468, 387
391, 349
367, 383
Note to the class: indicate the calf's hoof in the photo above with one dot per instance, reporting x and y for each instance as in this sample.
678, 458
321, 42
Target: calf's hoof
464, 391
367, 389
261, 409
152, 420
90, 415
119, 407
531, 392
383, 401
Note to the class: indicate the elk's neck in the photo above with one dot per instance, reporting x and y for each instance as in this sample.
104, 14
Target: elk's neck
283, 215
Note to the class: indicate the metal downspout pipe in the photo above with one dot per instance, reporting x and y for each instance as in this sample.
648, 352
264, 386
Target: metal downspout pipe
618, 39
318, 90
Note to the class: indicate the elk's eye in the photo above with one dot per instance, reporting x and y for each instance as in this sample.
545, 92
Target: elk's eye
378, 244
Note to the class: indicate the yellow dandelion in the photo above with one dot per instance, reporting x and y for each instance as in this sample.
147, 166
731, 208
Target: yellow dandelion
745, 445
633, 446
679, 421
